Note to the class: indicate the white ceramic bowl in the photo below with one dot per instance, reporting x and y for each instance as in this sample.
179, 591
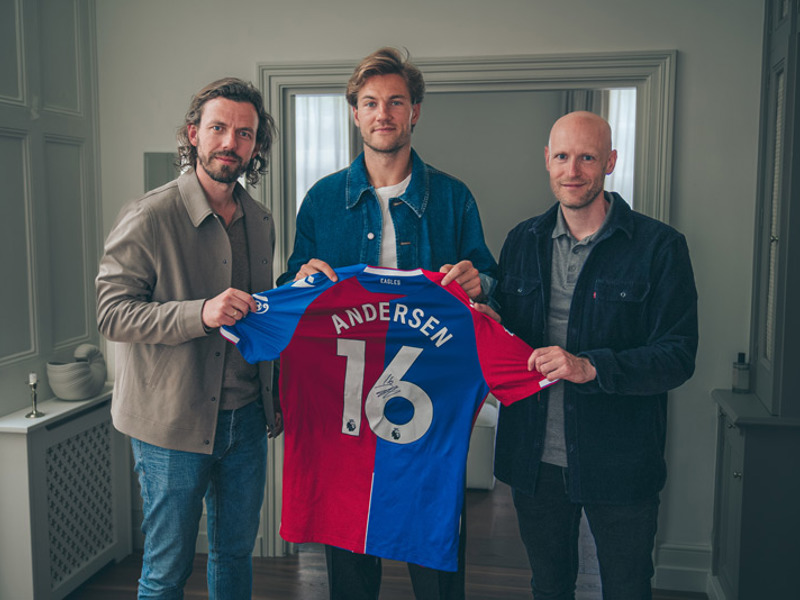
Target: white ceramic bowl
80, 379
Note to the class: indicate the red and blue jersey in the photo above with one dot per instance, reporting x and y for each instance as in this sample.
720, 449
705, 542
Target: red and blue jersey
382, 375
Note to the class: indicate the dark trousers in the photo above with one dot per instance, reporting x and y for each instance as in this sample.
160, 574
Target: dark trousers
624, 536
353, 576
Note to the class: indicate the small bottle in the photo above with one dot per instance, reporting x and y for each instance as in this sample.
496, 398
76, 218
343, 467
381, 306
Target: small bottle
741, 375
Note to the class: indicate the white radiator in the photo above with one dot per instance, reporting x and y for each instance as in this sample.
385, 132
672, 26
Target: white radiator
64, 498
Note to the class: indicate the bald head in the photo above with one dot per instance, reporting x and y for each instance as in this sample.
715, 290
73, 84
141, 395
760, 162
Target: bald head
578, 156
583, 123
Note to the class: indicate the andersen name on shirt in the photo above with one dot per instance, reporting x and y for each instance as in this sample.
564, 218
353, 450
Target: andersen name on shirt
382, 376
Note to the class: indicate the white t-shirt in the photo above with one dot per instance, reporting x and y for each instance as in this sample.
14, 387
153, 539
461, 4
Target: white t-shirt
388, 235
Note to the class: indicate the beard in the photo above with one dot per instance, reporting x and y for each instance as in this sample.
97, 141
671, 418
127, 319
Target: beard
222, 172
583, 200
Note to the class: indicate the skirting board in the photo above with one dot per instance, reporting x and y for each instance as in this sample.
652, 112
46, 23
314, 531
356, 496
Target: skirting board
714, 590
684, 568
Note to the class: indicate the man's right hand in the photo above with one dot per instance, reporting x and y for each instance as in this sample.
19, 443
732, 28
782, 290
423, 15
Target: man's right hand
316, 265
227, 308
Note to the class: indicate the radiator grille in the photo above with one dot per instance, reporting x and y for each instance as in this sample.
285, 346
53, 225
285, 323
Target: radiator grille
80, 500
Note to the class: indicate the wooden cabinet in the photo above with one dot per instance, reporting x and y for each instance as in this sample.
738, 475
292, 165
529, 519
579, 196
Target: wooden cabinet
756, 548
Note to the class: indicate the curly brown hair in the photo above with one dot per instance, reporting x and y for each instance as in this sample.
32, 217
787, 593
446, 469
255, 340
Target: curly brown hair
237, 90
386, 61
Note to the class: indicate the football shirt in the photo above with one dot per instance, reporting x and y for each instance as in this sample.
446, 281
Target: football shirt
382, 376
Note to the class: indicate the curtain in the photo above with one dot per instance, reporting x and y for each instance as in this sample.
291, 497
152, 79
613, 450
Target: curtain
322, 139
622, 118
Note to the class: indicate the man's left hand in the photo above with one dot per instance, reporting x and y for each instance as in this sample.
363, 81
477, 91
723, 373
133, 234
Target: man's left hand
556, 363
466, 276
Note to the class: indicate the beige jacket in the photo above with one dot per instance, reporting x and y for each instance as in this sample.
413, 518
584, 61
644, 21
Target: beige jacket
164, 257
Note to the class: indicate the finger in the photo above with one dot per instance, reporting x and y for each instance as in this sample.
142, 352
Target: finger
450, 275
539, 366
472, 287
458, 272
316, 265
323, 267
306, 270
540, 360
249, 304
466, 276
469, 278
242, 301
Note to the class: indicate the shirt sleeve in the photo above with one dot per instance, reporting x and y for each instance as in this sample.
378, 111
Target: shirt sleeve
504, 360
668, 358
502, 355
126, 283
263, 334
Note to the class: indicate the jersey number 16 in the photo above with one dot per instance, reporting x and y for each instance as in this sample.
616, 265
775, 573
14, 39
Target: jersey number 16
389, 385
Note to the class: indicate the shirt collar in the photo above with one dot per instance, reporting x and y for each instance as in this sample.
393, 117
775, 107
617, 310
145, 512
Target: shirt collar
618, 217
238, 213
415, 196
195, 201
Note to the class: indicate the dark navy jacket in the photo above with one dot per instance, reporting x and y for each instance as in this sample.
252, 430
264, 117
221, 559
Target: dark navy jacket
634, 316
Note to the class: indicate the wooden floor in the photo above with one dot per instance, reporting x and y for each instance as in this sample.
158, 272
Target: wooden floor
497, 566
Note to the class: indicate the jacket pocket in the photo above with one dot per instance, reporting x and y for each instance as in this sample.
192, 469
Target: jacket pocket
518, 286
521, 307
621, 291
618, 316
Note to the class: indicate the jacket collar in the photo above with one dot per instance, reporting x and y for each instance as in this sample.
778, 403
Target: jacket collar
415, 196
194, 198
621, 219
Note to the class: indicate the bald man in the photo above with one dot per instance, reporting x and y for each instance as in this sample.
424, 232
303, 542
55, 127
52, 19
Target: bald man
607, 298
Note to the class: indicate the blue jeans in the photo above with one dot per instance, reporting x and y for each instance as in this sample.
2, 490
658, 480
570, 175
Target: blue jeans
624, 536
174, 483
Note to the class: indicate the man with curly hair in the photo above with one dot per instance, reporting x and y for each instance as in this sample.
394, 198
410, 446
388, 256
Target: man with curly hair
179, 263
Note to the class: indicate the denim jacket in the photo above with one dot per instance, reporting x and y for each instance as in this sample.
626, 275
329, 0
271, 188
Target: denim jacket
436, 222
634, 316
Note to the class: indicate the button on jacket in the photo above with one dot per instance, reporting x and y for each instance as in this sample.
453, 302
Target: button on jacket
436, 222
167, 254
634, 316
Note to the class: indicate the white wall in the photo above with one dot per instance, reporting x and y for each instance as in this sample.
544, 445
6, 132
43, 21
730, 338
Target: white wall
152, 55
500, 156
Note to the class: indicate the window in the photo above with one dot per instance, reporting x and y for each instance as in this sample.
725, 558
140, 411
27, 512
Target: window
621, 114
322, 139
